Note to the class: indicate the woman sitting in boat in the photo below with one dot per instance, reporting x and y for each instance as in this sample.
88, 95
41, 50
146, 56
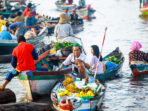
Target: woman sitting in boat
23, 57
17, 28
95, 62
136, 56
5, 35
78, 59
63, 29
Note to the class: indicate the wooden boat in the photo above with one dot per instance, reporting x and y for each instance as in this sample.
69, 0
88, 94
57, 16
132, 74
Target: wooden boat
6, 14
116, 71
62, 6
7, 46
139, 69
40, 83
92, 104
144, 7
85, 13
76, 28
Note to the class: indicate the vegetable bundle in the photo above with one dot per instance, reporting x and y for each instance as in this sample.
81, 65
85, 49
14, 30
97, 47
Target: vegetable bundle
113, 59
60, 45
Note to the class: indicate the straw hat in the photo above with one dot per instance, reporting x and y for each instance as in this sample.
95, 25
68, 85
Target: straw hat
64, 18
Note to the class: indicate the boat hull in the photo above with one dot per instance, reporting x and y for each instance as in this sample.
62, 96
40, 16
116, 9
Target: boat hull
85, 13
112, 73
40, 83
62, 7
139, 69
7, 46
87, 105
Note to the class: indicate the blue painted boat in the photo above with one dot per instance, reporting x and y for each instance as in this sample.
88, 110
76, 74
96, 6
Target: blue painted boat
116, 71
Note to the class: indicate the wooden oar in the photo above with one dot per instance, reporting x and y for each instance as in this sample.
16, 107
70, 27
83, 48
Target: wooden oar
100, 52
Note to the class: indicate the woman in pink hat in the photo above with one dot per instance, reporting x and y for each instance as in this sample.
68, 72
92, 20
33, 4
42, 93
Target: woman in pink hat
136, 56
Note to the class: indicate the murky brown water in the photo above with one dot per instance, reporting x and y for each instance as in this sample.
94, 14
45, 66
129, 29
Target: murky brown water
124, 26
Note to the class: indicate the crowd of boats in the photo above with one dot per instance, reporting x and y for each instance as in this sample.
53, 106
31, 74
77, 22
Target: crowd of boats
67, 89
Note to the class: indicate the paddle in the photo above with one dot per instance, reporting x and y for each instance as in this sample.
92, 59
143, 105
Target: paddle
100, 52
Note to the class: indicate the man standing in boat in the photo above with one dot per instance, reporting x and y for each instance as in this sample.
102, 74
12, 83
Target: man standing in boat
23, 57
78, 59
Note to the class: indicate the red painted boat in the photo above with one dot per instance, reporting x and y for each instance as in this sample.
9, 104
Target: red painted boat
139, 69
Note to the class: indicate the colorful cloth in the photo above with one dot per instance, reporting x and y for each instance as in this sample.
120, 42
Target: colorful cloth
138, 56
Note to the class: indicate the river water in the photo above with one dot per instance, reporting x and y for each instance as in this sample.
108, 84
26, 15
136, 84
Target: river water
124, 26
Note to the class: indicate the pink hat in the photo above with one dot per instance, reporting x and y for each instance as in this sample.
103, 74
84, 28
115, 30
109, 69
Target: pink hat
89, 6
136, 45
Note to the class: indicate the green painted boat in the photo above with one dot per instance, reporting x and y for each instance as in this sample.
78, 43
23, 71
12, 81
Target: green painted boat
6, 14
41, 83
116, 71
61, 6
85, 13
7, 46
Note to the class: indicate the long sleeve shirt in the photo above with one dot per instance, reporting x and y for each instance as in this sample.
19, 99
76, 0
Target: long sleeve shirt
63, 30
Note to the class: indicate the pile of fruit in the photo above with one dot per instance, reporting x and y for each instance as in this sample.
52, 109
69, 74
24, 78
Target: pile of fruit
85, 94
113, 59
67, 81
65, 93
71, 87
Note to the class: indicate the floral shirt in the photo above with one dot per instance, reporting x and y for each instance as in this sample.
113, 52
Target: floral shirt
138, 56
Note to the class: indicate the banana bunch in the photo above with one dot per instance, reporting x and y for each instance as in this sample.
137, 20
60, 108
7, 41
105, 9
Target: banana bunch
85, 94
65, 93
67, 81
71, 87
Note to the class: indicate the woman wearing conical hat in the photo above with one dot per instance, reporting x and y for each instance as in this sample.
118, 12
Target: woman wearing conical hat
63, 29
